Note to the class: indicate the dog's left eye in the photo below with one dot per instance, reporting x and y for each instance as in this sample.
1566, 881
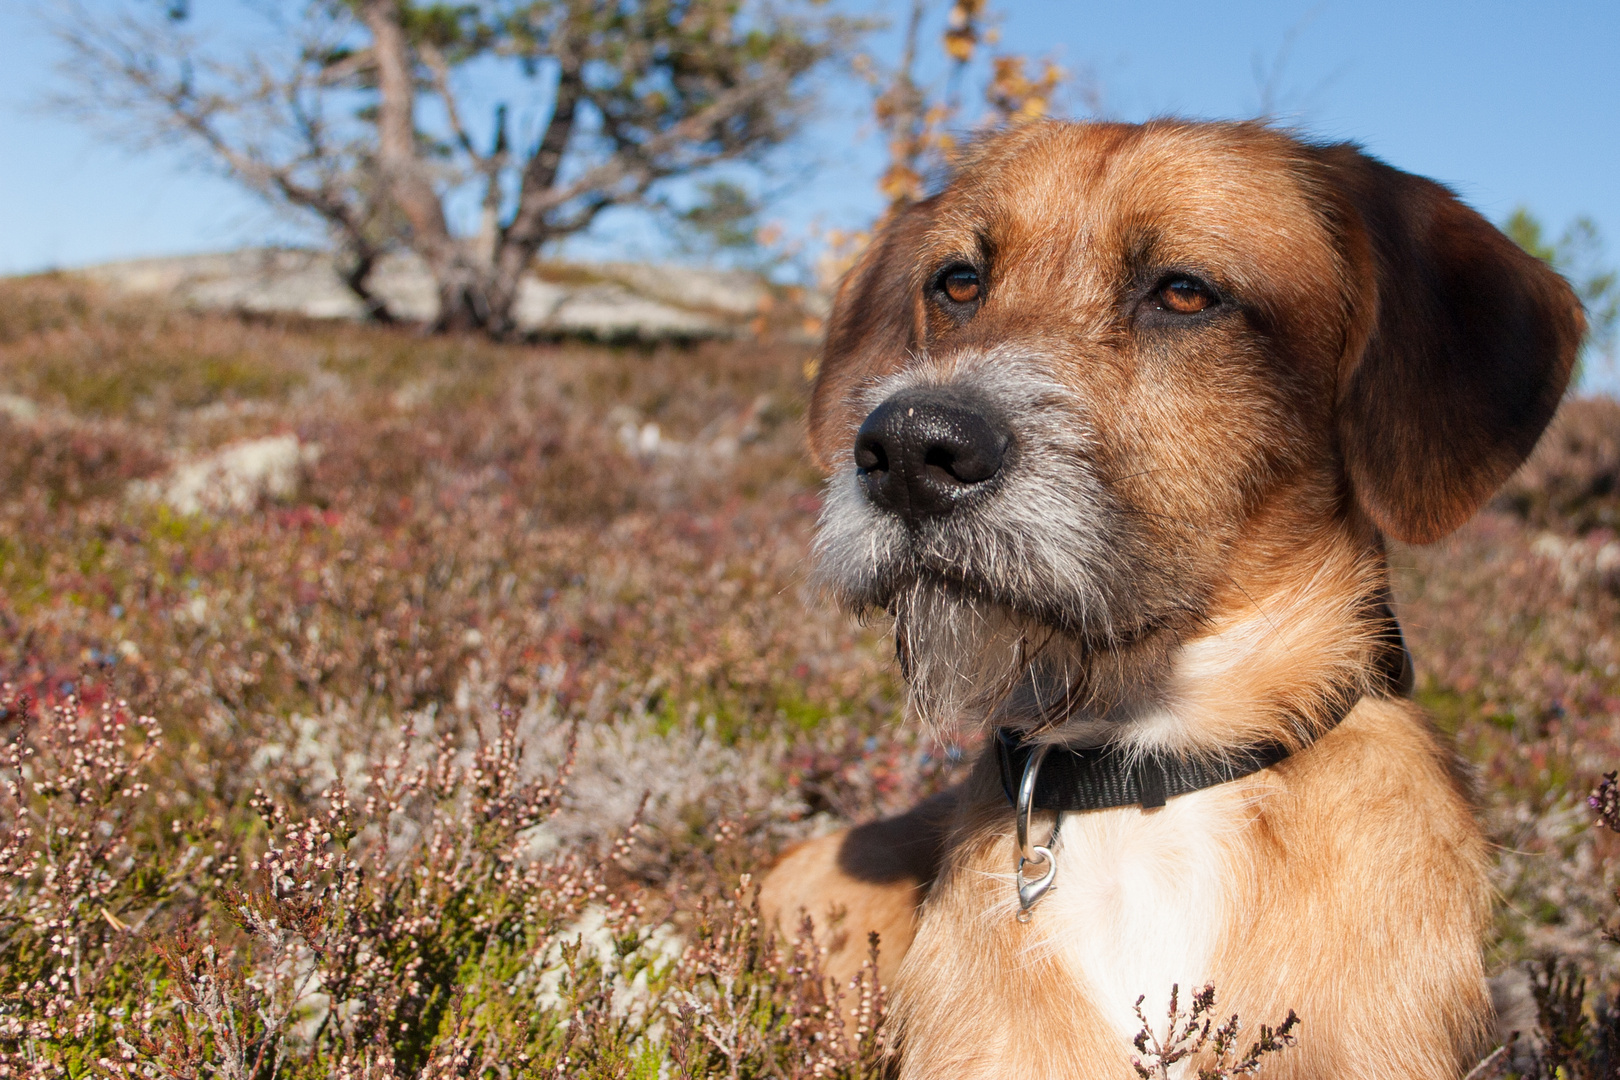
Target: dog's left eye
1184, 295
960, 284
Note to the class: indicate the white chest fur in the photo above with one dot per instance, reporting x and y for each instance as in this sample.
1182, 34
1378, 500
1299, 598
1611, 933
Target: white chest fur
1140, 902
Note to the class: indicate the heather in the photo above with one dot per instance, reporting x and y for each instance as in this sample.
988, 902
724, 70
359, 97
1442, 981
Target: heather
447, 747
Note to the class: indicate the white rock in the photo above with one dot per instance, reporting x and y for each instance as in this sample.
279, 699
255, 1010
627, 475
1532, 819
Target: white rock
234, 477
19, 408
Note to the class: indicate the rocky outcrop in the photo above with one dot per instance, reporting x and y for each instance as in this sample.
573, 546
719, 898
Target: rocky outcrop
606, 301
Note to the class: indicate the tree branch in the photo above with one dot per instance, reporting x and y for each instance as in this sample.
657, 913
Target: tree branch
434, 61
696, 129
527, 227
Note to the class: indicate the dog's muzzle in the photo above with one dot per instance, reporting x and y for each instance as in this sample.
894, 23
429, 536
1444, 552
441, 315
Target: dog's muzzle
926, 449
970, 511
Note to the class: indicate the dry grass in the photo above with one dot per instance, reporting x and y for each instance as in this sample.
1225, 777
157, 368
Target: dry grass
468, 739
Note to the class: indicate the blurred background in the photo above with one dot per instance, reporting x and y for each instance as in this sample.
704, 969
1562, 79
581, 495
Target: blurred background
409, 657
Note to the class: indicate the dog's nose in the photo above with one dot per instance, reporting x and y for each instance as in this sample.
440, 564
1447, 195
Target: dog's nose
921, 450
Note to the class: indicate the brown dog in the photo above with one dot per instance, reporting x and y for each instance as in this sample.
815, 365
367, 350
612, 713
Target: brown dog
1116, 426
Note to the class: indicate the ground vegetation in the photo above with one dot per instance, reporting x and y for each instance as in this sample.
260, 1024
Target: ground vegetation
452, 753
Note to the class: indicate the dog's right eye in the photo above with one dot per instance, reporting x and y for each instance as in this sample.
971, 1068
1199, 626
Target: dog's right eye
960, 284
1184, 295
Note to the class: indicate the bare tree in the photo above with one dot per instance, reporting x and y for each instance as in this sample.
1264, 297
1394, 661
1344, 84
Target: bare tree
358, 112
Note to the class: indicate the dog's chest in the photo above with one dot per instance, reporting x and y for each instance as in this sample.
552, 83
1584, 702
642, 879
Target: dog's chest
1140, 903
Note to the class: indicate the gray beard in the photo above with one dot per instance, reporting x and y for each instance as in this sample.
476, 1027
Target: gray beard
967, 663
1001, 606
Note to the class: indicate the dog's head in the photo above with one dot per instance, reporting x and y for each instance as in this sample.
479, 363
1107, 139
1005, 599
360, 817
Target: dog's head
1117, 390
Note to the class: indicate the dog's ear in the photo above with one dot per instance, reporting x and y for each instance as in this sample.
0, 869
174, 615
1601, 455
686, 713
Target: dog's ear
873, 327
1462, 348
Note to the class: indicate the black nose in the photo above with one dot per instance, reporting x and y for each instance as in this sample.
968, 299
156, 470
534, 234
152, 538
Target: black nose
921, 450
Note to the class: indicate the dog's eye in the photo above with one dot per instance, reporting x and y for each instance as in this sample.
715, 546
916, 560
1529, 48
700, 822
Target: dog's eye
1184, 295
961, 284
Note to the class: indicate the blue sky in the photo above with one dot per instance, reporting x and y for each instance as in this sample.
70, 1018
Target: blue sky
1508, 103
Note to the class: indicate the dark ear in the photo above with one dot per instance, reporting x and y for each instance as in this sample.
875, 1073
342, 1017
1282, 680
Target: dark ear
1462, 351
872, 330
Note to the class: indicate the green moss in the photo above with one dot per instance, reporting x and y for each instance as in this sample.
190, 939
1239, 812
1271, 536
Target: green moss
164, 523
1448, 708
1547, 913
802, 713
648, 1064
669, 717
101, 385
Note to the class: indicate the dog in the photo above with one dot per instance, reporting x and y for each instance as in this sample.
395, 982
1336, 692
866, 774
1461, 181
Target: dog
1116, 426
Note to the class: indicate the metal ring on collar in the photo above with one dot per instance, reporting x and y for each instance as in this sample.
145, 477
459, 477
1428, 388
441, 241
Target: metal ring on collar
1031, 890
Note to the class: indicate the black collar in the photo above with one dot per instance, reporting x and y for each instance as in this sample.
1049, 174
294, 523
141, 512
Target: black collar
1097, 778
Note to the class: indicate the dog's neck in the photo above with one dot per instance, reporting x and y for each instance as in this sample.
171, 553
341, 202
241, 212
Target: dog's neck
1266, 666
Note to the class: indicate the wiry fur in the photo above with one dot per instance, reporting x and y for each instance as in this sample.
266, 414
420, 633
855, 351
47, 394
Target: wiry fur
1015, 609
996, 605
1183, 552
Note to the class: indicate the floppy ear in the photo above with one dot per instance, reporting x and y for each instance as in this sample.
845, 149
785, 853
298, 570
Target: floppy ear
1465, 347
872, 329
